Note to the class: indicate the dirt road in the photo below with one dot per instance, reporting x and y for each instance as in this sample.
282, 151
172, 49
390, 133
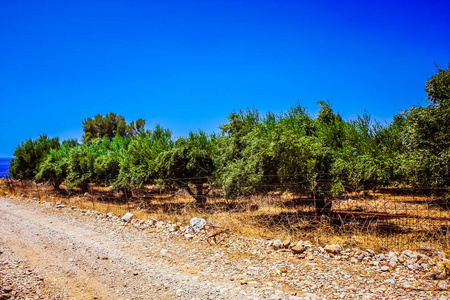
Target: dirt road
50, 253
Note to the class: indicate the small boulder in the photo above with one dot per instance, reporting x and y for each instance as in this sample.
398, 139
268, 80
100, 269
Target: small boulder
333, 249
298, 249
286, 243
127, 217
392, 264
371, 252
197, 224
384, 268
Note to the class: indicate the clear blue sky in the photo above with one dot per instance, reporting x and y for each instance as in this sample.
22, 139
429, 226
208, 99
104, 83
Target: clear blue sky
188, 64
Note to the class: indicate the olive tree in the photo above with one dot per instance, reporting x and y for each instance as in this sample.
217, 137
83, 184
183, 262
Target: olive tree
29, 155
54, 168
188, 164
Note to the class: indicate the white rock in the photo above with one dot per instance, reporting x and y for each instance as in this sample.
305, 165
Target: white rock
188, 236
197, 224
127, 217
384, 268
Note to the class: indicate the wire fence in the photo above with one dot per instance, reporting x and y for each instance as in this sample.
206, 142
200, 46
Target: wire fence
401, 218
381, 217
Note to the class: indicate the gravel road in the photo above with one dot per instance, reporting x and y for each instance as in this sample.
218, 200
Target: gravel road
51, 253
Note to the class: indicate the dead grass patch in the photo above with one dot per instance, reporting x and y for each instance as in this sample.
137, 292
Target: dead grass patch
275, 215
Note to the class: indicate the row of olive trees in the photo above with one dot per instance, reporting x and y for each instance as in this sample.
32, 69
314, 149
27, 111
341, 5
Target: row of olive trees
123, 162
254, 153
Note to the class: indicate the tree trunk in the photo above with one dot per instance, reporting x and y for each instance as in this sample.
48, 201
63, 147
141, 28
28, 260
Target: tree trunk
199, 195
56, 184
84, 187
201, 198
323, 207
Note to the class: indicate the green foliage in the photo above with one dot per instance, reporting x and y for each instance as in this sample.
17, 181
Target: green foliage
97, 162
80, 167
110, 126
28, 156
240, 165
139, 160
427, 136
369, 154
189, 161
54, 168
438, 87
271, 152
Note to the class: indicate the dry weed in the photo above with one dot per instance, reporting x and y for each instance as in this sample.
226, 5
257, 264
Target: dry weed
273, 215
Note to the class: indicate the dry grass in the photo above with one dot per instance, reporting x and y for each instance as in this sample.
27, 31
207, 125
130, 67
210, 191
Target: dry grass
274, 215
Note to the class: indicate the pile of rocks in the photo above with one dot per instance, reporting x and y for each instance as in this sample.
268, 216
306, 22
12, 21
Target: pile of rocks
128, 219
408, 260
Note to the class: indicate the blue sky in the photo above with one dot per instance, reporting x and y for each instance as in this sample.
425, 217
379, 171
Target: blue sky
188, 64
